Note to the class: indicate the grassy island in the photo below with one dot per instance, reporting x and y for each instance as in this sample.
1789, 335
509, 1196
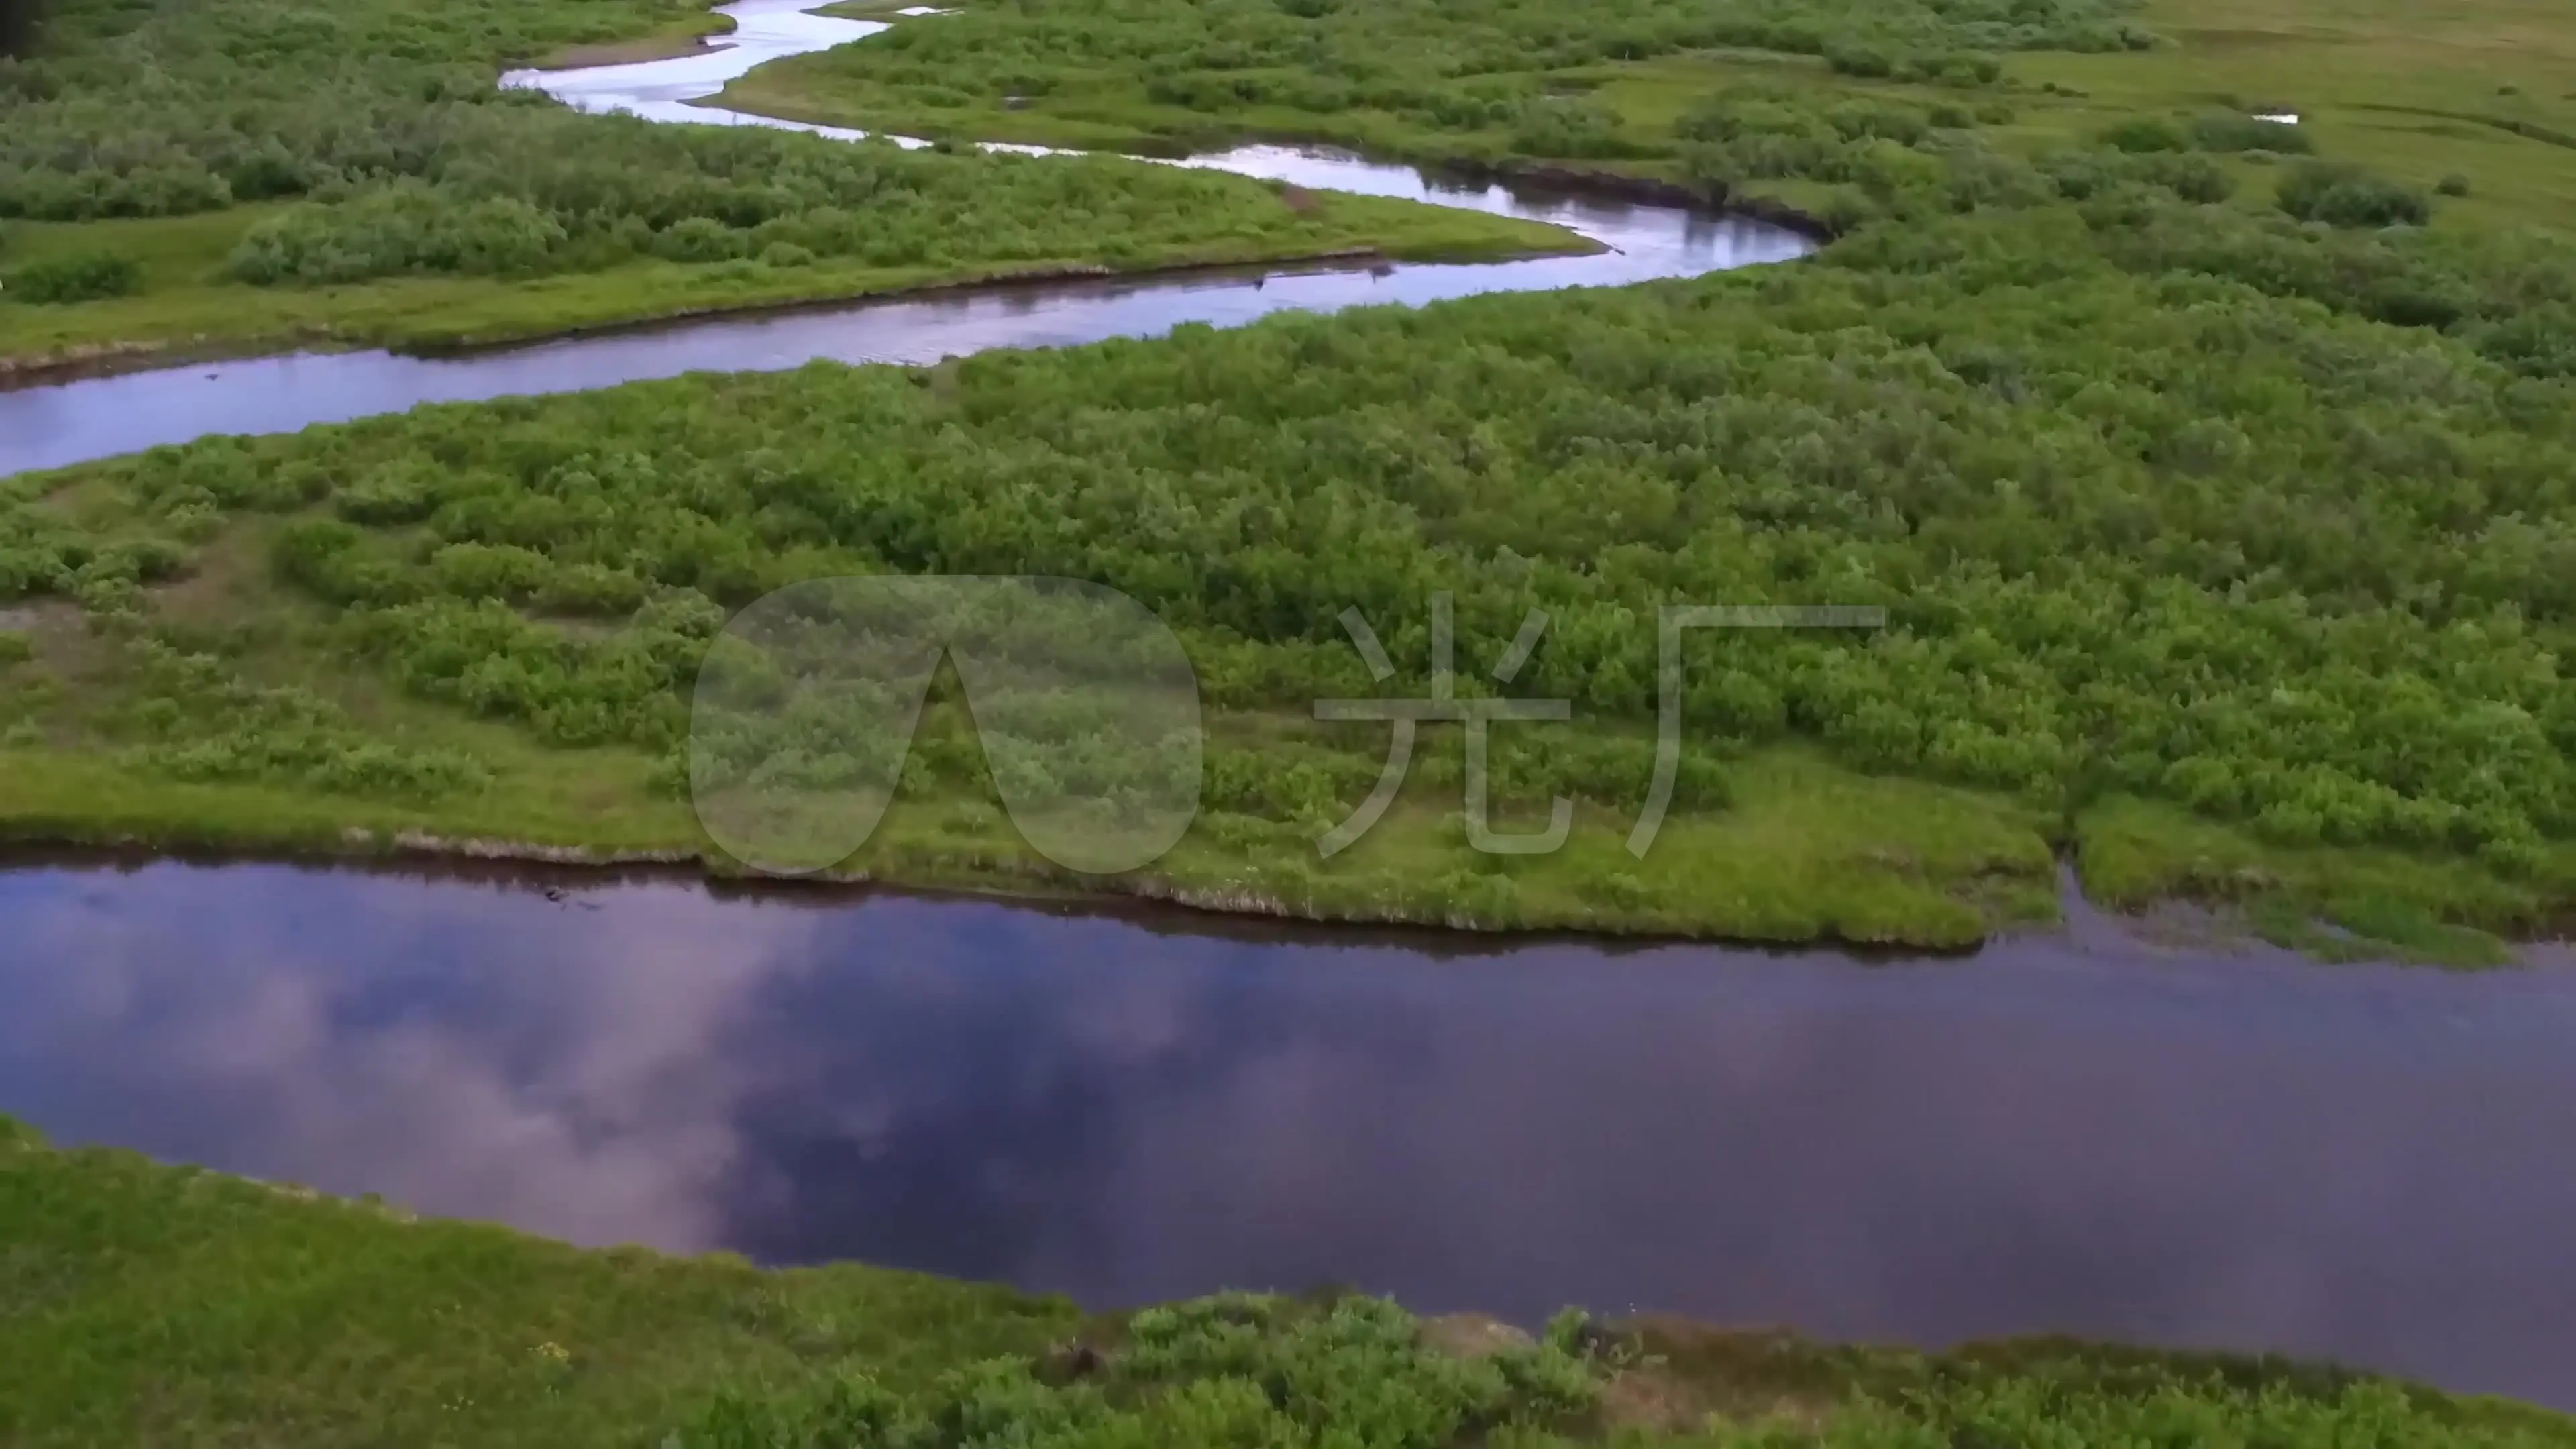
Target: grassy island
2213, 473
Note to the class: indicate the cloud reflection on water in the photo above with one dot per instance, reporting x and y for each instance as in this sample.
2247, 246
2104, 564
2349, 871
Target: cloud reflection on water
2364, 1163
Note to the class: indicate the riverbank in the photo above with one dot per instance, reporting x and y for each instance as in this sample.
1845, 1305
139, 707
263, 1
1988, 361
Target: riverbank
1805, 854
185, 313
687, 36
1801, 857
172, 1305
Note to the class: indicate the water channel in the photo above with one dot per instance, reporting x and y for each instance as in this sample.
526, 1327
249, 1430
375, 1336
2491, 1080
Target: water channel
2078, 1133
50, 425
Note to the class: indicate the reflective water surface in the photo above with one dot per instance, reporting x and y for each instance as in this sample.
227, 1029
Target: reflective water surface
62, 423
2079, 1134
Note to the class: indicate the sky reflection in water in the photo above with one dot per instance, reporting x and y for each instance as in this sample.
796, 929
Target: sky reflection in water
2090, 1138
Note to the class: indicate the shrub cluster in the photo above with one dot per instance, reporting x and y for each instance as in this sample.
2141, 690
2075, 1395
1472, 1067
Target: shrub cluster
2341, 194
1234, 1370
77, 277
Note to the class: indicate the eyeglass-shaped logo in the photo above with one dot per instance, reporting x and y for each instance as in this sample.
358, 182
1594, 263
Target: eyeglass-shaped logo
807, 705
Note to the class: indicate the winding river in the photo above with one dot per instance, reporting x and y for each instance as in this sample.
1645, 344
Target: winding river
2081, 1132
52, 425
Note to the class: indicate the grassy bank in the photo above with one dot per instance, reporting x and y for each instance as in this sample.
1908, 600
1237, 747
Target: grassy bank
2121, 619
1804, 856
142, 1303
686, 35
185, 305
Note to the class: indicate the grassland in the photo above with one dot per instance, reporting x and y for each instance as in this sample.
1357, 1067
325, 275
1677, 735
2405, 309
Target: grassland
2483, 90
2224, 547
151, 1304
1804, 849
250, 749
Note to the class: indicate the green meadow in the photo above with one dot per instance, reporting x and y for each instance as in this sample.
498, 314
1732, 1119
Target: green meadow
148, 1304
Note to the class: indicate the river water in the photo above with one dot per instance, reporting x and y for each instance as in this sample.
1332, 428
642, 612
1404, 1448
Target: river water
49, 426
2079, 1133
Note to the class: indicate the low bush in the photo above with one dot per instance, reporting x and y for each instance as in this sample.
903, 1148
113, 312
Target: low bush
2341, 194
79, 277
2238, 134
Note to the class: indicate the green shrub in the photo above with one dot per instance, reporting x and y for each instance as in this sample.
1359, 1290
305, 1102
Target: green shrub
404, 491
2453, 185
2195, 179
2144, 134
2234, 133
78, 277
1235, 1371
2341, 194
701, 239
1865, 62
398, 230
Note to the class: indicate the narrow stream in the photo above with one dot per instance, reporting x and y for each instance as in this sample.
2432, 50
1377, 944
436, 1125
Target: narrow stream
53, 425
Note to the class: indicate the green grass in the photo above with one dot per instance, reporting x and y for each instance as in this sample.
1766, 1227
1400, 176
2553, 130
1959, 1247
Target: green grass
2418, 92
143, 1303
665, 42
1802, 850
2413, 90
1810, 852
2334, 902
187, 306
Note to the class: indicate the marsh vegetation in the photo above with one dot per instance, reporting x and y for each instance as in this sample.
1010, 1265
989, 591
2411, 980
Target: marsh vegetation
244, 176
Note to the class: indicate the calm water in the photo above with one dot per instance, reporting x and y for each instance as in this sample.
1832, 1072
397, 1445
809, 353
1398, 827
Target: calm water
2080, 1134
42, 427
